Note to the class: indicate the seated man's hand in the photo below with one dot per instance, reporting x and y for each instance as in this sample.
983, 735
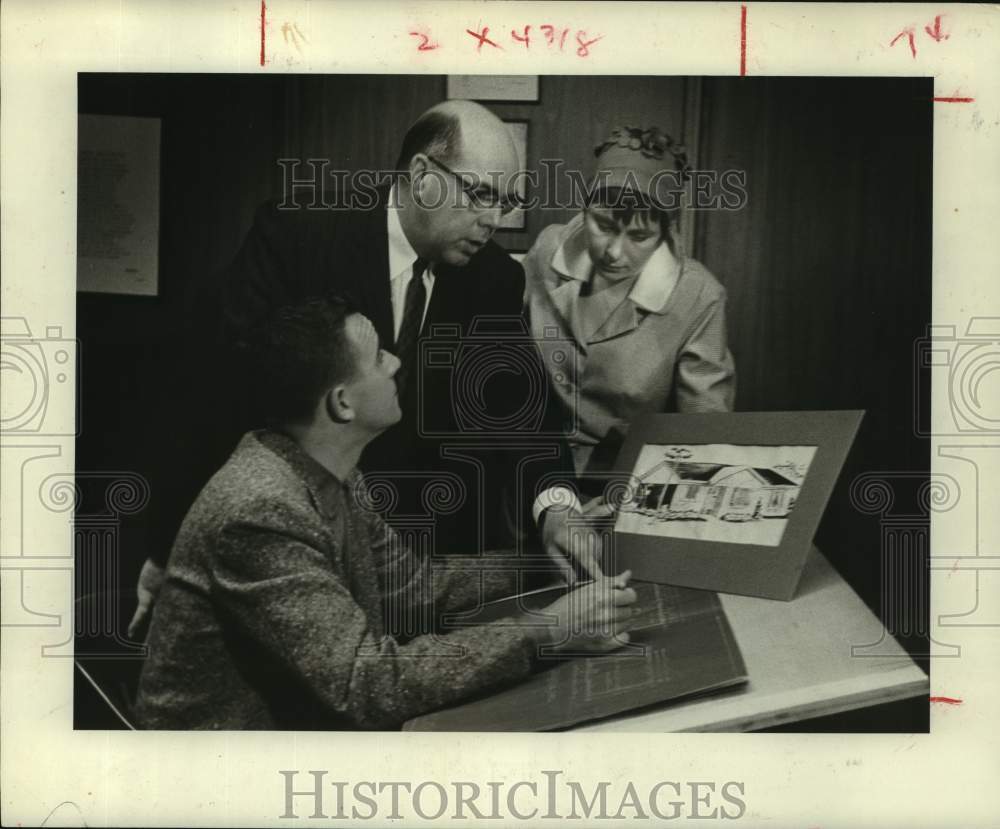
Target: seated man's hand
148, 588
585, 617
570, 535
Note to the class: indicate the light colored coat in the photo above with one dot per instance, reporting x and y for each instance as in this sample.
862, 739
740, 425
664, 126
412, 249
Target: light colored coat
663, 342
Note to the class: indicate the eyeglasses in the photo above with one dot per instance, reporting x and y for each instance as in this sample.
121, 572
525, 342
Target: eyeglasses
480, 196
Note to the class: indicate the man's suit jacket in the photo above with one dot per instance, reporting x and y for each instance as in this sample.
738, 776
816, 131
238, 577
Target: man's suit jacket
461, 451
284, 601
291, 254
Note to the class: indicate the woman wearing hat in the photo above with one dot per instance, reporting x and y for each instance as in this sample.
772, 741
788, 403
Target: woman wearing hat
646, 323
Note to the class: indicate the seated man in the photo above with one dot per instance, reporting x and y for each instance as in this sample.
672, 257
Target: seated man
284, 589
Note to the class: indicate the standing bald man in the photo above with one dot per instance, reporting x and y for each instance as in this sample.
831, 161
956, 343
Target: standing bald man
419, 262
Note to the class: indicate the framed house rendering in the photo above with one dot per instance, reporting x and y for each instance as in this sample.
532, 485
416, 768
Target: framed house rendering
715, 492
728, 501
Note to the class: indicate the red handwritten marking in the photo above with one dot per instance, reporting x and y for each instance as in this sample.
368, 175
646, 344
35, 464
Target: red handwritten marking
524, 35
909, 36
550, 35
526, 40
263, 23
425, 45
947, 700
583, 49
743, 41
954, 101
482, 38
936, 33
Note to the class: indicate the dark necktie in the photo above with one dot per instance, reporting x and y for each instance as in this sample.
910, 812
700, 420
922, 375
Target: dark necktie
409, 328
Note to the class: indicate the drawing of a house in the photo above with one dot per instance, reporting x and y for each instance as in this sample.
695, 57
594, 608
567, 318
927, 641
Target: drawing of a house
684, 490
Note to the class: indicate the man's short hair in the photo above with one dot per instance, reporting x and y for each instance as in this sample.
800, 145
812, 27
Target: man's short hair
302, 351
434, 133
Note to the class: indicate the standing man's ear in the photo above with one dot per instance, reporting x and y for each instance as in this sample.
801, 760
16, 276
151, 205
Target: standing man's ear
418, 165
338, 407
425, 186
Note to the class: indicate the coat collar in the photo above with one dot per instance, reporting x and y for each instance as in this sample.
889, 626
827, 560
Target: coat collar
325, 488
652, 287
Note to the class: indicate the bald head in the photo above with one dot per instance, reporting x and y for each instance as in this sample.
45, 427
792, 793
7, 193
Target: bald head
460, 166
453, 130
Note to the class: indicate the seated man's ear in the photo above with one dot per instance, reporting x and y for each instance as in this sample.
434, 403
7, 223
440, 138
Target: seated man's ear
338, 407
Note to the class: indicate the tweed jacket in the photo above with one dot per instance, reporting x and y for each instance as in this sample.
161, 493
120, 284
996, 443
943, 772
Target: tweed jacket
661, 347
286, 601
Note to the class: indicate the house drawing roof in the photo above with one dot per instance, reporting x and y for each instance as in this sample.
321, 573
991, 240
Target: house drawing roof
705, 472
717, 473
774, 477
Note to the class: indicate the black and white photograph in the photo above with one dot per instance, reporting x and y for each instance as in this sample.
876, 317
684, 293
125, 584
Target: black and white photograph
361, 406
498, 413
736, 494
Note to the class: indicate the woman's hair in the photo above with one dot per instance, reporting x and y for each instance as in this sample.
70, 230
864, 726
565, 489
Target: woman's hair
641, 172
626, 203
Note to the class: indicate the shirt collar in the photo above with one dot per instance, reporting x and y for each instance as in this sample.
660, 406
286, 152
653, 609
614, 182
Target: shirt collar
401, 252
652, 287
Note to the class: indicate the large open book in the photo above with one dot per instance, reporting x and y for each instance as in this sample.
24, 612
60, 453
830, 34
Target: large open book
681, 645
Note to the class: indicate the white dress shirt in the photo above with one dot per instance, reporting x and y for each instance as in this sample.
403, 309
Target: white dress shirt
401, 259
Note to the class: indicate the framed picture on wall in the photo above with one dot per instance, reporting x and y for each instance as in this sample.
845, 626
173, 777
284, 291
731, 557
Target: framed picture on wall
728, 501
118, 232
519, 132
506, 88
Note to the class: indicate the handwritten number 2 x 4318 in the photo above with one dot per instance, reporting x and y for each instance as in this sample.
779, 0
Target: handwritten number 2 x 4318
549, 37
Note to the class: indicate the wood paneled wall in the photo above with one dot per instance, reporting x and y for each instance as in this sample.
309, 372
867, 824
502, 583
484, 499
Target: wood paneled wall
220, 135
828, 265
358, 121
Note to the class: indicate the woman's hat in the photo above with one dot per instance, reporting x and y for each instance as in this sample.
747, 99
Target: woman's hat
635, 158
